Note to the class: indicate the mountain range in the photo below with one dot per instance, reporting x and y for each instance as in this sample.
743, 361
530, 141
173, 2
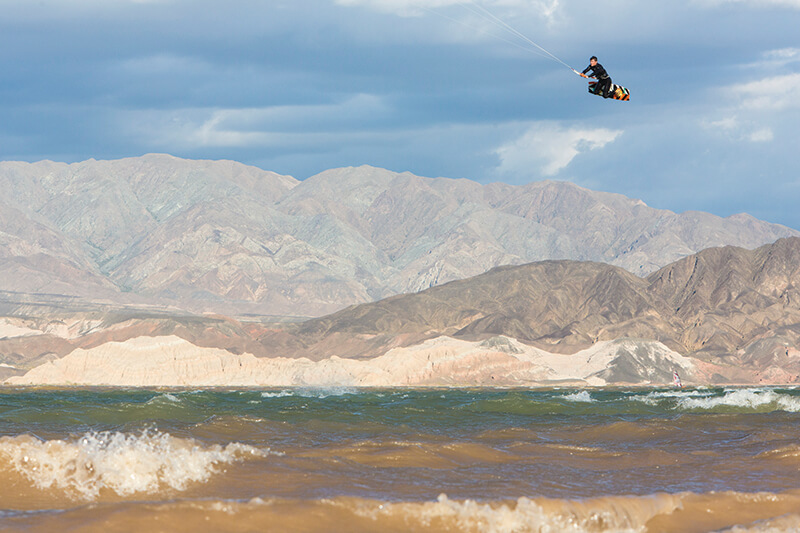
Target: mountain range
728, 306
158, 232
725, 315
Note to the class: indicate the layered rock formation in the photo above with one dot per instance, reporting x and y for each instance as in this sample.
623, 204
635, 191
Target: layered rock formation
224, 237
174, 362
724, 315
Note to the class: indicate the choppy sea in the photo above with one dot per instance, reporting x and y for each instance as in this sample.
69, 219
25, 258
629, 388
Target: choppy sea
561, 460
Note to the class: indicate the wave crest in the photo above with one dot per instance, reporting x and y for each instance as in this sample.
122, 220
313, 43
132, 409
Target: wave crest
751, 399
619, 514
580, 396
125, 464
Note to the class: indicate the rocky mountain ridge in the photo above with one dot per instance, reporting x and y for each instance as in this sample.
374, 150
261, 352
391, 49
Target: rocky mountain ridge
724, 315
718, 303
223, 237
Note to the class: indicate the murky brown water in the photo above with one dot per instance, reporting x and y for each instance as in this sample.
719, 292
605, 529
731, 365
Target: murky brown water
400, 460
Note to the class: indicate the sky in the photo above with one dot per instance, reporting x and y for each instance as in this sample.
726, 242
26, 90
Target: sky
449, 88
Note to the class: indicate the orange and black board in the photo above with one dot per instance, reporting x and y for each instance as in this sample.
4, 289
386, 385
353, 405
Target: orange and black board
618, 92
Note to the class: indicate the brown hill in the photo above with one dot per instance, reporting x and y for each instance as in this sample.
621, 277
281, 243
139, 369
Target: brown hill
720, 305
735, 311
722, 300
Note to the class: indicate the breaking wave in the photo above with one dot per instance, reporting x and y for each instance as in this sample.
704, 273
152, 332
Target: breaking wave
582, 396
759, 400
125, 464
281, 394
619, 514
727, 401
722, 512
165, 398
654, 398
311, 392
774, 513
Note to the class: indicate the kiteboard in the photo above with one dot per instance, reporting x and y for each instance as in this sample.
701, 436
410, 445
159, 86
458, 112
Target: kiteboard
618, 92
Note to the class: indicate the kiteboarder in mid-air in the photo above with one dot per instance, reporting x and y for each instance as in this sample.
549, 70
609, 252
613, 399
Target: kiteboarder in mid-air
600, 84
603, 85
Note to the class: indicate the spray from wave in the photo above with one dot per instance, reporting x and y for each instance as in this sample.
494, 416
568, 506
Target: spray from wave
165, 398
621, 514
761, 400
582, 396
312, 392
282, 394
125, 464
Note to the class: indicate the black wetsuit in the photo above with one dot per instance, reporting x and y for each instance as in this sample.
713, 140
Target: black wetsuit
603, 79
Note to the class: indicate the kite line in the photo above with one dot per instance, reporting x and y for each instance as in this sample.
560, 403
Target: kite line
482, 12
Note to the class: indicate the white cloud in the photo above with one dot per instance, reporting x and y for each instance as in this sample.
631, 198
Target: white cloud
548, 148
754, 3
773, 60
761, 135
773, 93
97, 3
546, 9
786, 55
726, 124
733, 128
755, 111
400, 7
248, 127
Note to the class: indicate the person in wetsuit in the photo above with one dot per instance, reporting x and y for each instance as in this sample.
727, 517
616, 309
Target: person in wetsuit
603, 79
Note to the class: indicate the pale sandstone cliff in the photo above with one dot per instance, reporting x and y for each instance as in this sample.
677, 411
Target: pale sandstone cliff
734, 313
174, 362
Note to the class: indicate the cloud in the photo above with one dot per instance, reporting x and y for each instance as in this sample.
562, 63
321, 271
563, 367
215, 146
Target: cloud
733, 128
795, 4
549, 148
774, 60
772, 93
400, 7
160, 64
93, 4
546, 9
248, 127
783, 56
754, 111
761, 135
298, 86
726, 124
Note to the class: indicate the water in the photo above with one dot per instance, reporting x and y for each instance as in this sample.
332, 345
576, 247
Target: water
400, 460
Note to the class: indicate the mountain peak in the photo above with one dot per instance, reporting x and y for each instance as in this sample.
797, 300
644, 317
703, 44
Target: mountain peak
219, 233
712, 304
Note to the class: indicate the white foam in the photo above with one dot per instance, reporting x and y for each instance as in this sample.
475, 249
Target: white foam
324, 392
745, 398
654, 398
162, 398
582, 396
311, 392
281, 394
123, 463
789, 523
621, 515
